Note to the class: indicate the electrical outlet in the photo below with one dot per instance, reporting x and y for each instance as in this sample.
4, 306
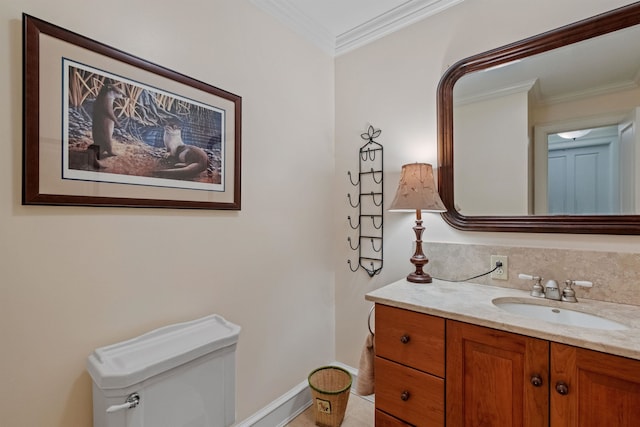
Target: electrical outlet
502, 273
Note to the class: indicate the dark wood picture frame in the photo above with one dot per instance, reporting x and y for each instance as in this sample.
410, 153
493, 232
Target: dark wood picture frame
43, 147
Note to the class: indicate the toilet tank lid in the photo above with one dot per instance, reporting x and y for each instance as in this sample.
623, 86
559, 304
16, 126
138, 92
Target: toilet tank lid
129, 362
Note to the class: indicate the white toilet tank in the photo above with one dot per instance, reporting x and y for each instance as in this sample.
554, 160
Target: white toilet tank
181, 375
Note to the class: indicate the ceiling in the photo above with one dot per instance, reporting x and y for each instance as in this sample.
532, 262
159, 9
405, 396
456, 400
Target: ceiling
338, 26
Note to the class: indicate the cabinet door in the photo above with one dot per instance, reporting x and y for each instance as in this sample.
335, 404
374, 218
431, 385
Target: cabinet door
495, 378
592, 389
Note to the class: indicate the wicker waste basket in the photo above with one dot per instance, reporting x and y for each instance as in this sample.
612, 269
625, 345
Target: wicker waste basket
330, 387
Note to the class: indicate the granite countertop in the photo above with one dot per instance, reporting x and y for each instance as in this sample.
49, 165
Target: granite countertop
472, 303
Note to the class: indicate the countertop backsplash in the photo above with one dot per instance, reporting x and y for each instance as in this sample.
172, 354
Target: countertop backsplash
615, 276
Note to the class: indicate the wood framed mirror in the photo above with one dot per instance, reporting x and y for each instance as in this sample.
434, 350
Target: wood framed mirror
533, 103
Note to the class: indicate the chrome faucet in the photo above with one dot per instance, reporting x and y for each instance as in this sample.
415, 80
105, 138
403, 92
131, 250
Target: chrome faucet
551, 290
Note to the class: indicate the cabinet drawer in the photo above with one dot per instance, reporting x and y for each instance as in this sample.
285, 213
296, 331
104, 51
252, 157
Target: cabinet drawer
410, 338
409, 394
385, 420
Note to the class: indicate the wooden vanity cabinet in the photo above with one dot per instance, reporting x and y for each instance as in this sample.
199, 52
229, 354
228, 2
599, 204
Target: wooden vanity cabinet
494, 378
497, 378
409, 368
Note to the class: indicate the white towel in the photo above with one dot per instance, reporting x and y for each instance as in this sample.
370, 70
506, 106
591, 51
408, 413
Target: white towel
365, 384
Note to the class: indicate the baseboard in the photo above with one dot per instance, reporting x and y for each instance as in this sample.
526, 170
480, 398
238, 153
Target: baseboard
282, 410
291, 404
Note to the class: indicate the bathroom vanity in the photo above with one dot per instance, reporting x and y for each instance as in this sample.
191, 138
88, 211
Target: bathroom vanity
447, 353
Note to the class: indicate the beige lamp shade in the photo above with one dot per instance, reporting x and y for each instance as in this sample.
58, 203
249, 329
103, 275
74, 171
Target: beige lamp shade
417, 190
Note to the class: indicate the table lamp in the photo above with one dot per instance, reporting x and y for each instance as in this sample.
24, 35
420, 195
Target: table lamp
417, 192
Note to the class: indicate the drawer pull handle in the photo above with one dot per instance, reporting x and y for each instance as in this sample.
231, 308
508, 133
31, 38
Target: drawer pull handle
405, 395
405, 339
536, 380
562, 388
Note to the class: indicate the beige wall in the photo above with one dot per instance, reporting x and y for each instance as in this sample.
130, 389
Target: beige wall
75, 278
72, 279
493, 146
392, 84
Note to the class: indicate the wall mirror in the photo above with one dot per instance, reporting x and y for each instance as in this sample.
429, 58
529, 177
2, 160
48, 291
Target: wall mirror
543, 135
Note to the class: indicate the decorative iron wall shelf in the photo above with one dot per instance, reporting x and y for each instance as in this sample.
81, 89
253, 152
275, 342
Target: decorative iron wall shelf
369, 204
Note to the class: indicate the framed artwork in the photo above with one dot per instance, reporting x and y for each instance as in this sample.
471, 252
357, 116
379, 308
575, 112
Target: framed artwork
105, 128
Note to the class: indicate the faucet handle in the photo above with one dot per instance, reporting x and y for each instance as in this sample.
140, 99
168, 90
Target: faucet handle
583, 283
568, 294
537, 290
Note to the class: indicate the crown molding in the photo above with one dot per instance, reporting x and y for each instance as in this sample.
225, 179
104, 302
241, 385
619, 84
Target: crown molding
522, 87
292, 17
393, 20
591, 92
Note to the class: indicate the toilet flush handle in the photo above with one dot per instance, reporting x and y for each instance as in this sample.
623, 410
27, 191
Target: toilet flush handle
132, 401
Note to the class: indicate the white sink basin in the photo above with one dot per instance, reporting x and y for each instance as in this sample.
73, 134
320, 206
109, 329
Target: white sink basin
563, 316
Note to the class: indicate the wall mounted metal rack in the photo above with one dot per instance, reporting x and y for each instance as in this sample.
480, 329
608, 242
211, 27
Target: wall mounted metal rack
369, 203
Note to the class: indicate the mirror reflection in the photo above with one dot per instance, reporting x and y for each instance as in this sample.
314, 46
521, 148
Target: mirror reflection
515, 153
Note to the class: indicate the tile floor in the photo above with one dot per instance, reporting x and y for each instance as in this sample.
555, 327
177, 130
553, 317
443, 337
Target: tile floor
360, 413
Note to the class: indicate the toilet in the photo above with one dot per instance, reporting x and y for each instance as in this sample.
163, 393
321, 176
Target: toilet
181, 375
